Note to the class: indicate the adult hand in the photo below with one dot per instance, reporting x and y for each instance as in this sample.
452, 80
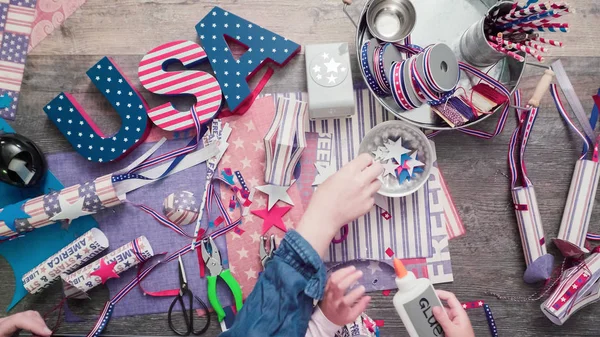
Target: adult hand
453, 319
343, 197
28, 320
341, 308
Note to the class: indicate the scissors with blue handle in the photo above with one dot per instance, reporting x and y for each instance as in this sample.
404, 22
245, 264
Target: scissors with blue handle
188, 312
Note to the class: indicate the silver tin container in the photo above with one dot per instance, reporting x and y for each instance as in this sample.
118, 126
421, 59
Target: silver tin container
442, 21
391, 20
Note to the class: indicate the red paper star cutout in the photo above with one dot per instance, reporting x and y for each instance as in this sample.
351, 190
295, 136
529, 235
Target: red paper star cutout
273, 217
106, 271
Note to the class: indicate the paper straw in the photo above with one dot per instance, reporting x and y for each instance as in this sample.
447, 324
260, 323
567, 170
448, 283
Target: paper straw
77, 284
68, 259
548, 41
507, 52
536, 46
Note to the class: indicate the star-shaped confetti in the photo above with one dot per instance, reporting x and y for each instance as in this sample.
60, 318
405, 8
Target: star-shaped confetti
106, 271
11, 213
275, 194
389, 168
323, 172
272, 217
411, 163
68, 211
395, 150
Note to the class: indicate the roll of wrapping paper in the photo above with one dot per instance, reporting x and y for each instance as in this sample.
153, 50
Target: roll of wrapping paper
68, 259
77, 284
97, 195
577, 288
578, 209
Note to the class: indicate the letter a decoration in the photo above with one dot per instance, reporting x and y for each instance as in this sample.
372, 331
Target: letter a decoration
81, 131
263, 45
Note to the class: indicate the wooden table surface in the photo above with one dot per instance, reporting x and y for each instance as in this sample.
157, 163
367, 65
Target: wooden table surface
487, 258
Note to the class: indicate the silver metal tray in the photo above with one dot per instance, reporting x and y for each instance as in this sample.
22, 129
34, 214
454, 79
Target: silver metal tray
443, 21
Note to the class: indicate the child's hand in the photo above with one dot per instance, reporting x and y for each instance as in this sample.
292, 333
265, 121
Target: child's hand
342, 309
454, 319
343, 197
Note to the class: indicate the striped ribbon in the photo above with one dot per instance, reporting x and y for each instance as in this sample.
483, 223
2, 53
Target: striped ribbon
587, 142
110, 304
364, 67
488, 314
380, 74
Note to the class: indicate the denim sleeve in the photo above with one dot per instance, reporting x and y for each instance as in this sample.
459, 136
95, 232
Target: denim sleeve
281, 303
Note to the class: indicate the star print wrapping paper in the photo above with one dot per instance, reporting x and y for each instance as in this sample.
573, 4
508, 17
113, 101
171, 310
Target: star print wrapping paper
81, 131
47, 209
66, 260
77, 284
114, 222
247, 154
16, 18
262, 46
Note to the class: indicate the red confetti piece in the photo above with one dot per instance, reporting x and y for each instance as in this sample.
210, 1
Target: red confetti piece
239, 231
379, 322
386, 292
386, 215
473, 304
228, 171
219, 221
245, 194
388, 251
247, 203
235, 189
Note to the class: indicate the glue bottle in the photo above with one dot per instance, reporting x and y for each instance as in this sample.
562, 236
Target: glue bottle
414, 302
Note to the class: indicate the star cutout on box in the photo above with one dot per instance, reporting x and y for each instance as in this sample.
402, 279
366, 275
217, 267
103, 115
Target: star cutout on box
106, 271
275, 194
395, 150
323, 172
272, 217
332, 66
68, 211
11, 213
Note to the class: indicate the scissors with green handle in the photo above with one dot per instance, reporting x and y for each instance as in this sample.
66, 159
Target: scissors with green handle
212, 260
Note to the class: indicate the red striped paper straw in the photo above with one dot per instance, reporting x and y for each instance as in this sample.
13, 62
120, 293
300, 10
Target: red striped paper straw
536, 46
548, 41
525, 49
507, 52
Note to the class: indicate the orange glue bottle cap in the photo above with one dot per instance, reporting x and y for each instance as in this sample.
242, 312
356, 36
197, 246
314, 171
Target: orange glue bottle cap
399, 268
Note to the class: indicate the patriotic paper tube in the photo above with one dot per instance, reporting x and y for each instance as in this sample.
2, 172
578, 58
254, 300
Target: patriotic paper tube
578, 209
68, 259
539, 262
77, 284
577, 288
285, 141
97, 195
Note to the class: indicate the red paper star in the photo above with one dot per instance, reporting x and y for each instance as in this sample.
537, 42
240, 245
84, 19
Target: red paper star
273, 217
106, 271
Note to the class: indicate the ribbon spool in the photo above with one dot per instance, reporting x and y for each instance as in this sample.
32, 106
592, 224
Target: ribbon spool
366, 66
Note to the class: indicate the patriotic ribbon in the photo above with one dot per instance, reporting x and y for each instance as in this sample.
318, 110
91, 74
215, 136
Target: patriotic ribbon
380, 74
364, 67
110, 304
489, 316
587, 142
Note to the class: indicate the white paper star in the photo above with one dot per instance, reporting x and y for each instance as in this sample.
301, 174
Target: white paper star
275, 194
332, 66
395, 150
412, 163
69, 211
389, 168
374, 267
316, 68
331, 79
323, 172
380, 153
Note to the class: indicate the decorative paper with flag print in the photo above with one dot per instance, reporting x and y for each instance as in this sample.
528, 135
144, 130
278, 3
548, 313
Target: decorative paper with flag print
16, 18
49, 15
578, 287
203, 86
65, 261
578, 209
77, 284
263, 45
96, 195
285, 141
81, 131
26, 252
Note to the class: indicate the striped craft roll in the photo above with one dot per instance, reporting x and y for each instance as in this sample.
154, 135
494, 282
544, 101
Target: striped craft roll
97, 195
539, 262
285, 141
578, 209
577, 288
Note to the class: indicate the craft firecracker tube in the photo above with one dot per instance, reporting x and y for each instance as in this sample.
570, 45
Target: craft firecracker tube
577, 288
77, 284
531, 230
68, 259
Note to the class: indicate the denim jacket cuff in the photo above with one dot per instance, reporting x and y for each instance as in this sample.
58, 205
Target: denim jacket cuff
301, 256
